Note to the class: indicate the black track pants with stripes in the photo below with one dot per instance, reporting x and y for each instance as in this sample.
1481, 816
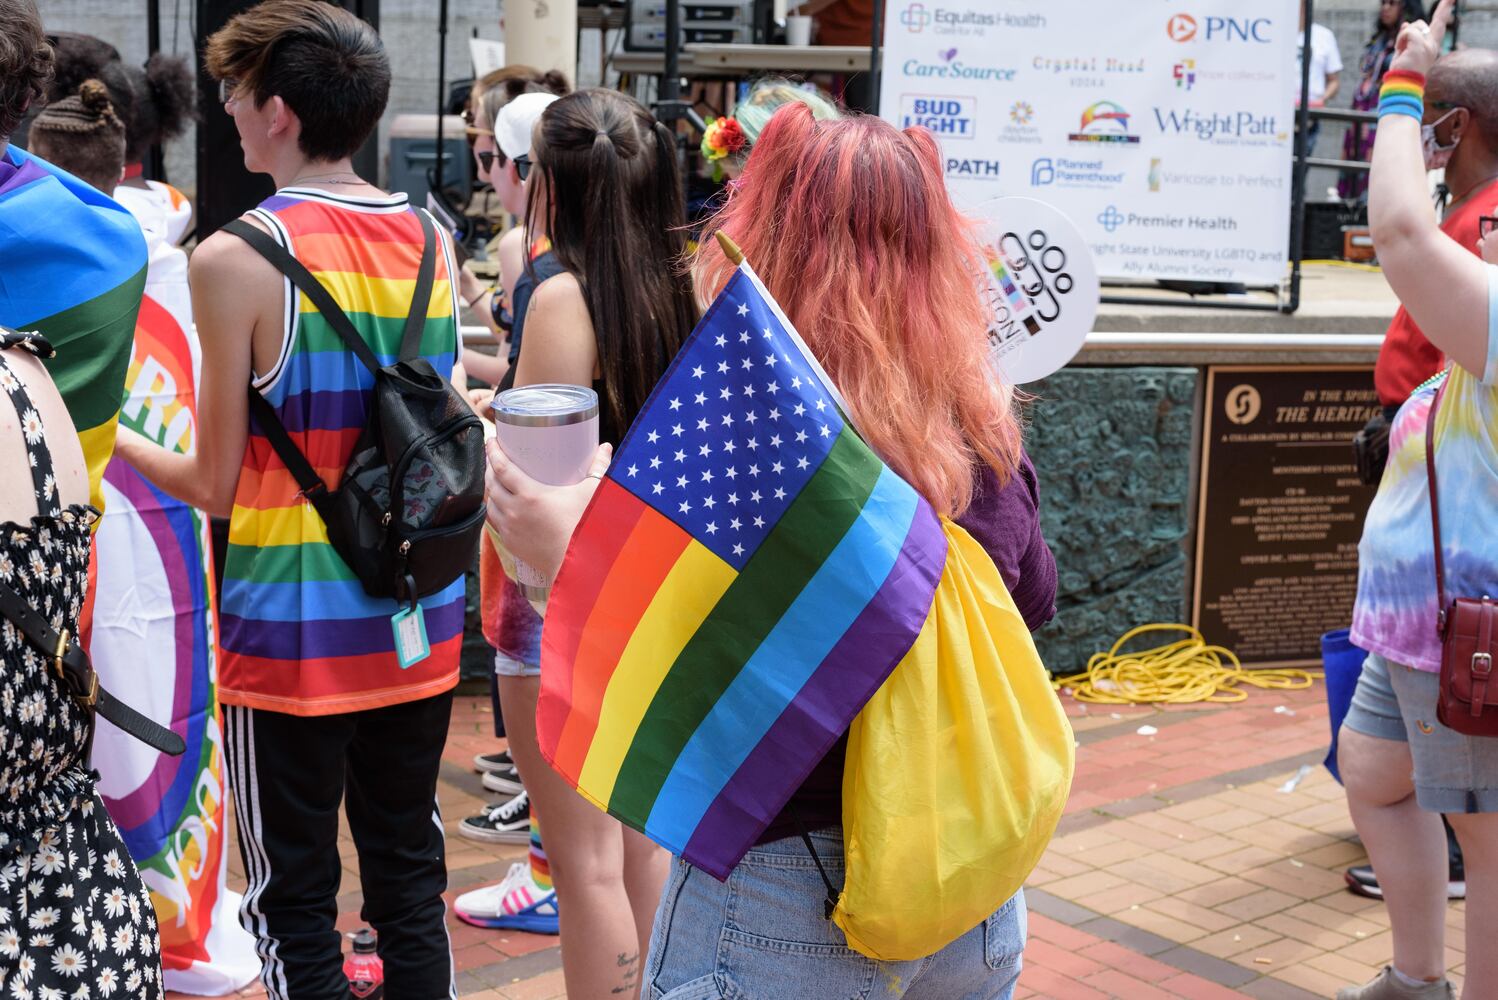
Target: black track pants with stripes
288, 774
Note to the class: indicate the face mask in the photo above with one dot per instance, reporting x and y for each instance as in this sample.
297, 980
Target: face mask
1436, 155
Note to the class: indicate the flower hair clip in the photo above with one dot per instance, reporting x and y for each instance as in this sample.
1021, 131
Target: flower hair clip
722, 139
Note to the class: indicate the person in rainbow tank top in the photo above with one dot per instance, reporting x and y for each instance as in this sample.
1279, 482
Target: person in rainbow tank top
1401, 765
317, 706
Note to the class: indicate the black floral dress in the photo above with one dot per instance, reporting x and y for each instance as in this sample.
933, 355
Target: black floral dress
75, 919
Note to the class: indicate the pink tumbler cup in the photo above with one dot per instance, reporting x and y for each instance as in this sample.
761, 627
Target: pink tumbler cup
551, 432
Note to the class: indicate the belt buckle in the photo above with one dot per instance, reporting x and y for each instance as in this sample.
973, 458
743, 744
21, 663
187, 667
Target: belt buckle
1482, 664
92, 698
62, 650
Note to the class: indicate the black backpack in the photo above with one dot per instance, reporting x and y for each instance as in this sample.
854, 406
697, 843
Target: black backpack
409, 510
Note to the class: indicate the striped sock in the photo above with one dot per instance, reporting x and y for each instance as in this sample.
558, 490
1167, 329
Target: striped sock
540, 867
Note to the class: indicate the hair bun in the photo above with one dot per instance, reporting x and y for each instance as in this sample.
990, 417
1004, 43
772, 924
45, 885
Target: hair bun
94, 97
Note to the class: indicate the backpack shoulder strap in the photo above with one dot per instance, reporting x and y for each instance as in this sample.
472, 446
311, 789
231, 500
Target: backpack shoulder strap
421, 299
307, 479
304, 279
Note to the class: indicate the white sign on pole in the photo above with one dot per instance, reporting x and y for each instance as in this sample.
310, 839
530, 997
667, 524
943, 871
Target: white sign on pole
1166, 131
1043, 286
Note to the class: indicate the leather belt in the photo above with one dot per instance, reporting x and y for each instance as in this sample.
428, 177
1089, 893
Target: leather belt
76, 672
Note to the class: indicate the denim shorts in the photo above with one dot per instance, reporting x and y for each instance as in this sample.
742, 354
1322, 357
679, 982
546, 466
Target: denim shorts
762, 936
508, 666
1453, 773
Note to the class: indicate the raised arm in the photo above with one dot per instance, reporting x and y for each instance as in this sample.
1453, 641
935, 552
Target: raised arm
1443, 286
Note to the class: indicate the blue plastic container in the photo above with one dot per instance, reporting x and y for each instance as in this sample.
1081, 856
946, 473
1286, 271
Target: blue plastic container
1343, 663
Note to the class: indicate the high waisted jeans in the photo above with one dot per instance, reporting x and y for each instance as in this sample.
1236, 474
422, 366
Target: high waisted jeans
762, 936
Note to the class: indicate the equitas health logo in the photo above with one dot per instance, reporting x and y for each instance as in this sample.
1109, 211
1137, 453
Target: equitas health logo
1104, 121
917, 17
952, 68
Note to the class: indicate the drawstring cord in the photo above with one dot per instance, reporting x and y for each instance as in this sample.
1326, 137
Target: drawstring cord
830, 903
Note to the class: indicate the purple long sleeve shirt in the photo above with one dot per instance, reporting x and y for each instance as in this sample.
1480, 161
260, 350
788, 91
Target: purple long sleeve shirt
1006, 522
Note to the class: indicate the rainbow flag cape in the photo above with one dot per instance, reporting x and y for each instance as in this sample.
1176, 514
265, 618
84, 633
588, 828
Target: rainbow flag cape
72, 266
155, 635
746, 577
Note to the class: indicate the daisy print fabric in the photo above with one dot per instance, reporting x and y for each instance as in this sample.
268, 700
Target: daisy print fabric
75, 919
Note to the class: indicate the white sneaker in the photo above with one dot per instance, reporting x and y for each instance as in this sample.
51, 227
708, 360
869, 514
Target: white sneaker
506, 781
515, 903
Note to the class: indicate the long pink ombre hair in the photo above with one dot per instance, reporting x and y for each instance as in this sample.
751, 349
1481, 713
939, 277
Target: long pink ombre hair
849, 225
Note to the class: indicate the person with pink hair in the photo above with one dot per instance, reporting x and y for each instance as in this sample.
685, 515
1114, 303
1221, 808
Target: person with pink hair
849, 224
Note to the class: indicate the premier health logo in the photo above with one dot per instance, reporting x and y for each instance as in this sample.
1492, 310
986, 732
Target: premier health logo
1111, 218
1105, 121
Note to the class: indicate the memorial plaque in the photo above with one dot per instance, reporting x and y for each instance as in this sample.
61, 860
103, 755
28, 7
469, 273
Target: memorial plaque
1280, 509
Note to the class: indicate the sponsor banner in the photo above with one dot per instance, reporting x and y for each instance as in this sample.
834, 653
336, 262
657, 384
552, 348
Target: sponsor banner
154, 640
1166, 136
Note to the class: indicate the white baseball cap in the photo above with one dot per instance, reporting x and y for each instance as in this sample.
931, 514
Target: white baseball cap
513, 124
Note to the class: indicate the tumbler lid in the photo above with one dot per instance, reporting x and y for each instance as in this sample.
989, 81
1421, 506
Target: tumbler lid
545, 405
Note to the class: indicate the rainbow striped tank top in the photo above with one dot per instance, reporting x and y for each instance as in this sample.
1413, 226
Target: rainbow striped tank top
299, 634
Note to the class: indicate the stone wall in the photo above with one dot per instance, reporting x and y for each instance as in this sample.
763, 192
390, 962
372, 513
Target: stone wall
1113, 449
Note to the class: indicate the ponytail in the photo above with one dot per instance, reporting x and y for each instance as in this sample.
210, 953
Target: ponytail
614, 196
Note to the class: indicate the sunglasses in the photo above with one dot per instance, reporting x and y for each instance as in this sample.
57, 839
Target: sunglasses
486, 160
523, 165
226, 89
1486, 224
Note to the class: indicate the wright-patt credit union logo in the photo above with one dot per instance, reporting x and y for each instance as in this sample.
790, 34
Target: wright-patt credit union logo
1181, 27
915, 18
1105, 121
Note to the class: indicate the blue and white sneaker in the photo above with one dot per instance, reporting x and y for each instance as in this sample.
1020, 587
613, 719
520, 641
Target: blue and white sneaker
517, 904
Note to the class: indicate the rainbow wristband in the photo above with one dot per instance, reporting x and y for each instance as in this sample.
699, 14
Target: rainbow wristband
1402, 93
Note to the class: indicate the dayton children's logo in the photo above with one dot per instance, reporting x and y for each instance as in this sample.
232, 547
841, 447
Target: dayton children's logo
1104, 121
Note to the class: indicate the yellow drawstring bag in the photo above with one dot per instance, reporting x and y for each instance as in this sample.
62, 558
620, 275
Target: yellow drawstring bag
984, 755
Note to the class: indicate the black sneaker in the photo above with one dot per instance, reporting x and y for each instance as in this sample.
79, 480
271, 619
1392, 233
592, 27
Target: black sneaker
1363, 882
506, 823
505, 781
487, 762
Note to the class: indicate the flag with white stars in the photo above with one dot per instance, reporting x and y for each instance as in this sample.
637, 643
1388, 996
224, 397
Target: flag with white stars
746, 577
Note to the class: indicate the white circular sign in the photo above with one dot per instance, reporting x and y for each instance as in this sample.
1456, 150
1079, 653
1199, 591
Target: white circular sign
1043, 285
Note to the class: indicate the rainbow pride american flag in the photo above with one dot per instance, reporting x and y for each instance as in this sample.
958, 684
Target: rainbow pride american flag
72, 267
746, 577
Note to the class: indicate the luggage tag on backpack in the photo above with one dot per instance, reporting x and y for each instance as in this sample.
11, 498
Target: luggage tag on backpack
410, 627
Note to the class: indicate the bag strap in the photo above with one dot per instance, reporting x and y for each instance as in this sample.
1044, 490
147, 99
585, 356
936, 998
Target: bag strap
283, 261
1435, 507
76, 672
311, 484
426, 274
314, 490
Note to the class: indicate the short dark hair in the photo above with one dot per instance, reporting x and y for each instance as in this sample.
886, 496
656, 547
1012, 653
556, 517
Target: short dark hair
25, 62
326, 64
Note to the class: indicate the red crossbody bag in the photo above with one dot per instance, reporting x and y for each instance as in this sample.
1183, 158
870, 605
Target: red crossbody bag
1468, 628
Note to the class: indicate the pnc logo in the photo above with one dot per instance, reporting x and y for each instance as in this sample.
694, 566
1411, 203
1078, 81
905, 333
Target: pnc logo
1110, 218
1181, 27
915, 18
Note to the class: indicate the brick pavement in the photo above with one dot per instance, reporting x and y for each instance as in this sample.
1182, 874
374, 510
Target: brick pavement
1186, 866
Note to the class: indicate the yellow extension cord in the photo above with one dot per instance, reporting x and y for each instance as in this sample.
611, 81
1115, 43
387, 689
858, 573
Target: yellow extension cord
1179, 673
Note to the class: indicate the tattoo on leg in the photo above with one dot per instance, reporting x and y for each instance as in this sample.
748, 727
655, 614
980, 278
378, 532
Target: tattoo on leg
630, 966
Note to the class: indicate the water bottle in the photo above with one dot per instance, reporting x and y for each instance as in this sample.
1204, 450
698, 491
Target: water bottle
365, 971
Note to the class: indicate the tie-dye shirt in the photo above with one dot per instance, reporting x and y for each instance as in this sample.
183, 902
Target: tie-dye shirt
1395, 614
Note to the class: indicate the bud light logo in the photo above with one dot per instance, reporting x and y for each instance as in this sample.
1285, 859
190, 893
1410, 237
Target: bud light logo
948, 117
